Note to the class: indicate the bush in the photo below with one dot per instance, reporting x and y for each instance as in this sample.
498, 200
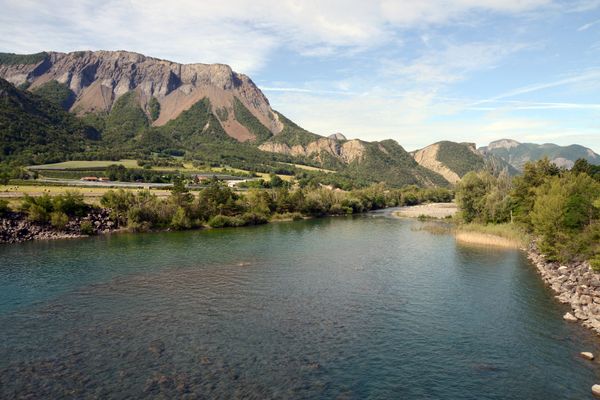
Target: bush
86, 228
595, 263
59, 220
70, 203
180, 220
252, 218
4, 207
223, 221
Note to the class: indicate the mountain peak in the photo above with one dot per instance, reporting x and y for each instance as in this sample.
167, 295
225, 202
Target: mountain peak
503, 144
337, 136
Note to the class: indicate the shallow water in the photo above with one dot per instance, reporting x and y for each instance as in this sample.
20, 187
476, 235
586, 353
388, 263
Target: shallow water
363, 307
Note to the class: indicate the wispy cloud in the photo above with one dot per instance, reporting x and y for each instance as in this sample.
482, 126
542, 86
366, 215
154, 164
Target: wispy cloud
587, 26
582, 77
524, 105
304, 90
238, 32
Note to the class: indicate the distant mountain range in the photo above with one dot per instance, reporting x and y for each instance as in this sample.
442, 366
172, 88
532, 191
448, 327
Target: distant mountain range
56, 106
517, 154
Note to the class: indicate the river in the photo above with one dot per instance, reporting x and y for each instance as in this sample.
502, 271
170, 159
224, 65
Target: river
351, 307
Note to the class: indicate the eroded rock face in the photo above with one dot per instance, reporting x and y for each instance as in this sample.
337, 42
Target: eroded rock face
347, 152
427, 157
98, 78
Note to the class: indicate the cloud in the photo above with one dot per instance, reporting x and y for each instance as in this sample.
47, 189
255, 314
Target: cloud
588, 25
592, 75
452, 62
242, 33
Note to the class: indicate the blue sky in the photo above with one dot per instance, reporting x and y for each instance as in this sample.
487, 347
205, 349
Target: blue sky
415, 71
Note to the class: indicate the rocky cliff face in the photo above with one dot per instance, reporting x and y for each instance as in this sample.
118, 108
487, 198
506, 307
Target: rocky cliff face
346, 152
98, 78
427, 157
450, 159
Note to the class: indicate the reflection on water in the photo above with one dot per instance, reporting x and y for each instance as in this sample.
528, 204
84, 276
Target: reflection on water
335, 308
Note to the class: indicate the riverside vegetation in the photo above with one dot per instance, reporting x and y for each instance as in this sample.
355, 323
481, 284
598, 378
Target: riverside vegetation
215, 206
559, 207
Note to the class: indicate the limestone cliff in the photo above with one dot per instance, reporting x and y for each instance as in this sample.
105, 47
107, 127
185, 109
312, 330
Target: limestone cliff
346, 152
98, 78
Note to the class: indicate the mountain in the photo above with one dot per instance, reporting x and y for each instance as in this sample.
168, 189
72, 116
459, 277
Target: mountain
37, 130
517, 154
449, 159
163, 89
142, 105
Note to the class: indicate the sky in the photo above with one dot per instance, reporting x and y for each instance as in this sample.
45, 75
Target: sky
415, 71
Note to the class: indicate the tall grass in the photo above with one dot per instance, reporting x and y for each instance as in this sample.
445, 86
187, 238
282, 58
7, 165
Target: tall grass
505, 235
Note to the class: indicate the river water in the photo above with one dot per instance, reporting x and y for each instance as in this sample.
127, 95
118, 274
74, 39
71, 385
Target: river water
351, 308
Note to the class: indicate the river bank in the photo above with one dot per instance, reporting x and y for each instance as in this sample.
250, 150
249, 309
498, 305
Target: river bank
16, 228
575, 284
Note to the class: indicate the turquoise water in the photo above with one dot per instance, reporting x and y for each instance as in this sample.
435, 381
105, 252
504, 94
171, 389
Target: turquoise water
363, 307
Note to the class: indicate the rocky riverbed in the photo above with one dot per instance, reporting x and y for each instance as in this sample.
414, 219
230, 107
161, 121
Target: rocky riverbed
15, 228
575, 284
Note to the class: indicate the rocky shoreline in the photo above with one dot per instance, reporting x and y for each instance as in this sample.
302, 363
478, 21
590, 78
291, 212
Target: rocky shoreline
575, 284
15, 228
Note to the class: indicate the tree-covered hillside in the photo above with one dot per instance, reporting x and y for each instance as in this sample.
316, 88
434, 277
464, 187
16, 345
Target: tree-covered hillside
33, 130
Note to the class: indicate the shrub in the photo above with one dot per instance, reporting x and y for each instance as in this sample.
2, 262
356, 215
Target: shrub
253, 218
59, 220
223, 221
181, 220
4, 207
86, 228
70, 203
595, 263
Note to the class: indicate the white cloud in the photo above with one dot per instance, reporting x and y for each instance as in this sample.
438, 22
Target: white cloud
587, 26
591, 75
238, 32
450, 63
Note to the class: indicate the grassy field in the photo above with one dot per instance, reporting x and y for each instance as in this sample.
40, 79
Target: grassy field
15, 193
309, 168
86, 164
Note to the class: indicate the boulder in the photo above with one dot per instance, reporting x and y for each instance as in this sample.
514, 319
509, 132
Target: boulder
596, 390
569, 317
587, 355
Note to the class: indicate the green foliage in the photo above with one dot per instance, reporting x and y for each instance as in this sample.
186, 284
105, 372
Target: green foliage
181, 220
388, 162
595, 263
86, 228
22, 59
33, 130
292, 134
154, 108
4, 208
562, 208
246, 118
59, 220
224, 221
46, 208
126, 119
56, 93
525, 185
459, 158
70, 203
38, 209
